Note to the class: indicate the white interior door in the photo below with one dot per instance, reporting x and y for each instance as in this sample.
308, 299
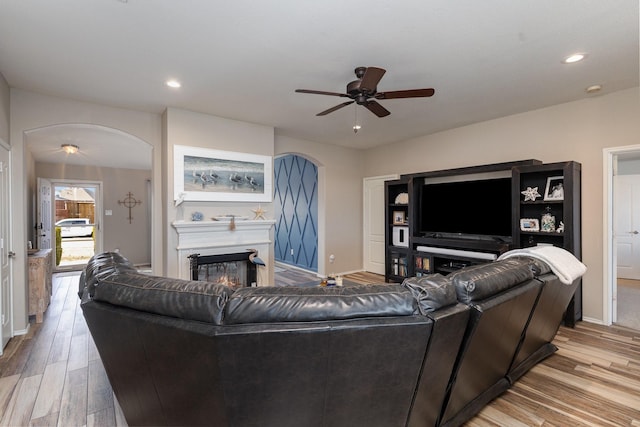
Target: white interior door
374, 223
627, 225
43, 214
5, 249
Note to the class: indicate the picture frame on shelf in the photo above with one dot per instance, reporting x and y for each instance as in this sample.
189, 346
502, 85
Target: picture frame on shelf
398, 217
202, 174
554, 189
529, 224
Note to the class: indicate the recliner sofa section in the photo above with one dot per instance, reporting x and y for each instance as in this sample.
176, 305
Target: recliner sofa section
432, 351
181, 352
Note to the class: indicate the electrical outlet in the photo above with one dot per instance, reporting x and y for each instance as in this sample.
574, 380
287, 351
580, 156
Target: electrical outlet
332, 258
291, 251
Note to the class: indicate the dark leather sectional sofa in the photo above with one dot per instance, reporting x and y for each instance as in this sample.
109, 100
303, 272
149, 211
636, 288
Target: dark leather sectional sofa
432, 351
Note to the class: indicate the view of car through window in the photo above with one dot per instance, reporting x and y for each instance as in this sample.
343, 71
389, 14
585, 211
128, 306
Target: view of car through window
75, 227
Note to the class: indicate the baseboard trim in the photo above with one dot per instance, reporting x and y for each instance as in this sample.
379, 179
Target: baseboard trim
22, 331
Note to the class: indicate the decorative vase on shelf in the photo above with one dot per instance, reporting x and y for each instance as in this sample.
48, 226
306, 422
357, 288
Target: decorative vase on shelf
548, 223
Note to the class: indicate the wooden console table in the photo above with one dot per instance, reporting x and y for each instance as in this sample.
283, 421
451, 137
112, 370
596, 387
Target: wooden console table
40, 268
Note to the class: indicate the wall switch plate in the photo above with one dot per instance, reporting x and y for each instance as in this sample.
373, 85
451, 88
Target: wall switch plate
108, 212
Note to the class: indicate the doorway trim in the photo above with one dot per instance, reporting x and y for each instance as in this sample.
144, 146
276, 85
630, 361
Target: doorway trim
98, 211
610, 164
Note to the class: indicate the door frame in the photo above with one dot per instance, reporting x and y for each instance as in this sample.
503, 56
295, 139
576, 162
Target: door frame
609, 279
6, 325
97, 230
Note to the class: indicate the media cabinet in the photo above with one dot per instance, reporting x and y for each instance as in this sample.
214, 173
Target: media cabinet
538, 216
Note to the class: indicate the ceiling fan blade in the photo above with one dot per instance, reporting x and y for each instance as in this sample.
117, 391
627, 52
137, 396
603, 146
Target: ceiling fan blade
371, 78
321, 92
376, 108
411, 93
332, 109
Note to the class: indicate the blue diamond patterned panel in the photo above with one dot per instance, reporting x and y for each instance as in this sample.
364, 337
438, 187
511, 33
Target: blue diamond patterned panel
296, 211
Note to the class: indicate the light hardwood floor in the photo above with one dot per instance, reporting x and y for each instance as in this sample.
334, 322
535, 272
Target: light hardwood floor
54, 376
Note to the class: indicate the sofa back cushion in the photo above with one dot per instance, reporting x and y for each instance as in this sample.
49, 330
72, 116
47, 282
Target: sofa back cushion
432, 292
105, 263
485, 280
266, 304
114, 280
184, 299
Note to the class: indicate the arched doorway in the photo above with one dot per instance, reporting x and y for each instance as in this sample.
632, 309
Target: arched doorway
108, 158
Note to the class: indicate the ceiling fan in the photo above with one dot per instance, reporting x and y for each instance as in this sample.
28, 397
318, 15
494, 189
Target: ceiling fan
366, 87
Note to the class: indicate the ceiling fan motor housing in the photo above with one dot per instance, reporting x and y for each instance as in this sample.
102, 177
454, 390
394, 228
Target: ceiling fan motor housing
360, 95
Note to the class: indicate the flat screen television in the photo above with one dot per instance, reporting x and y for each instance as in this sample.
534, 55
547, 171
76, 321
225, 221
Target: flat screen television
468, 209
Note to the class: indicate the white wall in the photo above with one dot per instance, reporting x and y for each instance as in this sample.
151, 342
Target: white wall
29, 111
4, 110
340, 173
193, 129
573, 131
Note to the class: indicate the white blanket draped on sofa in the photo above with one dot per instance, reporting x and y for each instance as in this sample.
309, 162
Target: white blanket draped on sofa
562, 262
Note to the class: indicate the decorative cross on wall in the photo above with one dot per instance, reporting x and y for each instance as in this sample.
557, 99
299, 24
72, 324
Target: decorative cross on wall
129, 202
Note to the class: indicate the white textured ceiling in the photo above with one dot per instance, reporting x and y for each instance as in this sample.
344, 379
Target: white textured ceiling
243, 59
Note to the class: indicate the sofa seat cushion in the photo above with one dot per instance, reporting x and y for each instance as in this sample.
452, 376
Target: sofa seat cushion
265, 304
432, 292
485, 280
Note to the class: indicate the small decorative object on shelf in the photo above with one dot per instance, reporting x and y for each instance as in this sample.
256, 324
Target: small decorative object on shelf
402, 199
529, 224
531, 193
225, 218
555, 188
197, 216
548, 223
259, 212
398, 217
400, 236
560, 228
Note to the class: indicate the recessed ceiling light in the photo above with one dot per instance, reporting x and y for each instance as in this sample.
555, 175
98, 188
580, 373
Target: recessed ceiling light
576, 57
174, 84
69, 148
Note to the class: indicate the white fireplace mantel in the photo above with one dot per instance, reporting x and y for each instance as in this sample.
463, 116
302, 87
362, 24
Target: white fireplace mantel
216, 237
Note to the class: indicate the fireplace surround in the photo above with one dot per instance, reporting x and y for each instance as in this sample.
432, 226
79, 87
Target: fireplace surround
211, 237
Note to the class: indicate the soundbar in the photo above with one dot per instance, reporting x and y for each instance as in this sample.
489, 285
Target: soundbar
458, 252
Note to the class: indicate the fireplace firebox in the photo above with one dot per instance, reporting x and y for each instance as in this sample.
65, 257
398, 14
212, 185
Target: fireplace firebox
235, 270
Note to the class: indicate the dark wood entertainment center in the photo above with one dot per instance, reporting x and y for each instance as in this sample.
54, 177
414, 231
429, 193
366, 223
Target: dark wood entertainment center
410, 251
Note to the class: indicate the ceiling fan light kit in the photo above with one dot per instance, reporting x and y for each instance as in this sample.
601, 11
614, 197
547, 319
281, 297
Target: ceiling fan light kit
69, 148
362, 90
